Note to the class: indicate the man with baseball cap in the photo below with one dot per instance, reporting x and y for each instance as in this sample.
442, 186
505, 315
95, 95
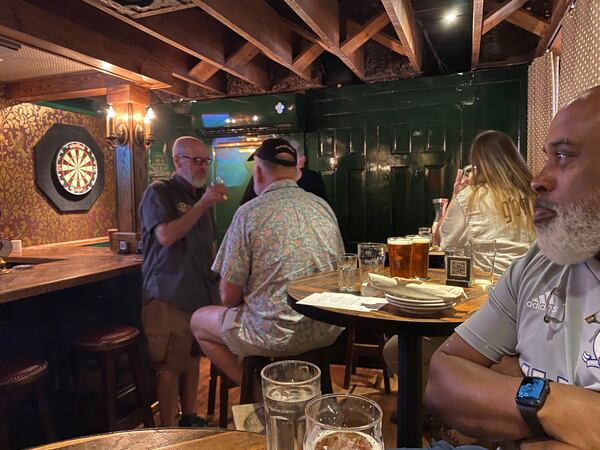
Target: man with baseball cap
283, 234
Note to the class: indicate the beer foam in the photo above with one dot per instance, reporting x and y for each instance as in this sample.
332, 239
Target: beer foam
399, 241
420, 240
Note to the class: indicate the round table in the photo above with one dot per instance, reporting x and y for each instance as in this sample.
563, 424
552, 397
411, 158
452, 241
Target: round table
391, 320
165, 438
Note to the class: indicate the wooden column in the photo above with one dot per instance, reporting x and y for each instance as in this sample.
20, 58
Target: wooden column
129, 102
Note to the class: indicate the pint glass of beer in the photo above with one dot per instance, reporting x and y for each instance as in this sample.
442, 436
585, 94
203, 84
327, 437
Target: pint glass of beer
400, 251
343, 421
420, 257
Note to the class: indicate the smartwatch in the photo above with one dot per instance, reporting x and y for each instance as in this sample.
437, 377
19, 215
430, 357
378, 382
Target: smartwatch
530, 398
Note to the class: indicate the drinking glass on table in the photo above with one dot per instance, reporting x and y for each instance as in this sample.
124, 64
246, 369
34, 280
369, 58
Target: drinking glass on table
400, 250
483, 254
348, 273
343, 421
371, 259
287, 387
420, 257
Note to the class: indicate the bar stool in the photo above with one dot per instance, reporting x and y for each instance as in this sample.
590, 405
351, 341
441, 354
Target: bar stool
19, 377
252, 366
355, 349
105, 344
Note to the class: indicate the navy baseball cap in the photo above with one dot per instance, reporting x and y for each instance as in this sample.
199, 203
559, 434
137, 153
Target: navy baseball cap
271, 149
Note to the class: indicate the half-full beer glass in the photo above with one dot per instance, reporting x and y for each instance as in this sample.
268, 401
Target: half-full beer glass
400, 251
343, 421
287, 387
420, 257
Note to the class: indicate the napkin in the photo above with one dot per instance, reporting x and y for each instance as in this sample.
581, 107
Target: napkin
414, 289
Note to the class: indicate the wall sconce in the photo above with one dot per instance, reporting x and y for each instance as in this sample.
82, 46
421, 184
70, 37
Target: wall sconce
143, 134
116, 134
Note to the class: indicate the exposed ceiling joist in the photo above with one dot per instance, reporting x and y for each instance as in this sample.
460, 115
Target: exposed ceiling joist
60, 87
195, 34
502, 14
522, 19
322, 16
117, 54
216, 84
308, 55
169, 9
305, 9
402, 16
370, 29
263, 28
559, 10
477, 25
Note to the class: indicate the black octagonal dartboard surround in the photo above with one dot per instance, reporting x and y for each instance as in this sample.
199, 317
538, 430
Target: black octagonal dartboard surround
46, 151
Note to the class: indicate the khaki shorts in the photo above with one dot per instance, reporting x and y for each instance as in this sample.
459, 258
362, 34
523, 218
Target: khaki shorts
230, 333
170, 341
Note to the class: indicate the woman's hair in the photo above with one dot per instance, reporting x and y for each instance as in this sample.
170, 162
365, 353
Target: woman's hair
501, 170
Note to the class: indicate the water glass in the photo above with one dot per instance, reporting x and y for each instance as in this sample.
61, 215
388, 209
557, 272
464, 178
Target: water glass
483, 253
371, 259
348, 273
287, 387
343, 421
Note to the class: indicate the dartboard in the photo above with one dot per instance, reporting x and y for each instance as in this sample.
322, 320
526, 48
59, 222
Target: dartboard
76, 168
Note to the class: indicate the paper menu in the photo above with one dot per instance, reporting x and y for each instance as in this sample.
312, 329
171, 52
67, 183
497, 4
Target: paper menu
348, 302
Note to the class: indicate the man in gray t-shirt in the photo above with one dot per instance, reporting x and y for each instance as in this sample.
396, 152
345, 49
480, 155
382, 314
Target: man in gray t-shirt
178, 237
526, 366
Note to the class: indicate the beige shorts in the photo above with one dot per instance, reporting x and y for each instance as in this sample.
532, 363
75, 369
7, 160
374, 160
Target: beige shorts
230, 331
170, 341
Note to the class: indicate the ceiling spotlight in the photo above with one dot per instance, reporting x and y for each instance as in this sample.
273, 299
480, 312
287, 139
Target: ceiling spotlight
451, 16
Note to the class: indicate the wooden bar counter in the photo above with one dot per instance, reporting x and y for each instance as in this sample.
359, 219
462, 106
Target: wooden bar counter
62, 266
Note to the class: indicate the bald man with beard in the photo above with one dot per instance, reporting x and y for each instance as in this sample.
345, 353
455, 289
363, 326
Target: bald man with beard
526, 366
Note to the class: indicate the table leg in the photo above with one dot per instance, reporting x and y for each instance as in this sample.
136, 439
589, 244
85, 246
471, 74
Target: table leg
409, 409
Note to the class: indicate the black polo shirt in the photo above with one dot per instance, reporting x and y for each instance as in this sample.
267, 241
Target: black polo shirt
179, 274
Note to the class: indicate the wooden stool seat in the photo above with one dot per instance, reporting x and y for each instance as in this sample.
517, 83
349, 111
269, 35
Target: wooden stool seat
20, 372
107, 338
106, 344
21, 377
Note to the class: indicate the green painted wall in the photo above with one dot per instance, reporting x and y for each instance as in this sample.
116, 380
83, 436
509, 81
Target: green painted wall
384, 149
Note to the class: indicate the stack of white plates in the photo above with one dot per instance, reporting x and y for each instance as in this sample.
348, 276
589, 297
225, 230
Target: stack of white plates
421, 307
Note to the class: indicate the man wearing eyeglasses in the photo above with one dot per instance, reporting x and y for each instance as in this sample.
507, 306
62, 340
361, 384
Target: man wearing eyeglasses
526, 366
179, 247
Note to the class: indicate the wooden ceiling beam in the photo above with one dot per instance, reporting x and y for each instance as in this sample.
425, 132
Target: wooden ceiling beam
477, 25
216, 84
559, 10
402, 16
60, 87
370, 29
322, 16
308, 10
501, 14
523, 19
120, 53
167, 10
196, 34
263, 27
308, 55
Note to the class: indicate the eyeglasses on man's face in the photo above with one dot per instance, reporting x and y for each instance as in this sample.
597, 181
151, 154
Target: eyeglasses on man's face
198, 160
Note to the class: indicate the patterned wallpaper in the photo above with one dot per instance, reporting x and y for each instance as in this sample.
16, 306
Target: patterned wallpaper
25, 213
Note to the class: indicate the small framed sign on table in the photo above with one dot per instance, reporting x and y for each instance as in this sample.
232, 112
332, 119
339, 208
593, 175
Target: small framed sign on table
458, 271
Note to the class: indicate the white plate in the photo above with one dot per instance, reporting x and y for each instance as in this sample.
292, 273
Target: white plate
423, 311
416, 302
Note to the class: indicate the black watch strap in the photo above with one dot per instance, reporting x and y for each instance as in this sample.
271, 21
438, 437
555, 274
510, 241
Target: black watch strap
530, 417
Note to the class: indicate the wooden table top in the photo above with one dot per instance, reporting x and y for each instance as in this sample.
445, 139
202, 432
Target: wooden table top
165, 438
61, 267
389, 317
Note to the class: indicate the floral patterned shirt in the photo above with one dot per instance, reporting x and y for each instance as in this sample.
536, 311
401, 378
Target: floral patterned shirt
283, 234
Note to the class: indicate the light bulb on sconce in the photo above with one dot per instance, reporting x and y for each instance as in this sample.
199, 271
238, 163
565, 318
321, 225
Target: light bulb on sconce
143, 134
115, 134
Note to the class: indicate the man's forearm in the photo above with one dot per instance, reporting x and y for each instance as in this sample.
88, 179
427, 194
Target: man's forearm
474, 399
177, 229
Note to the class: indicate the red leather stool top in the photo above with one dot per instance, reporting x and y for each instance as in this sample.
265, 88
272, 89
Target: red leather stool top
22, 371
107, 338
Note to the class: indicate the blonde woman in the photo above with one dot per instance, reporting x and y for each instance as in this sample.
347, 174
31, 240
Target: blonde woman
493, 201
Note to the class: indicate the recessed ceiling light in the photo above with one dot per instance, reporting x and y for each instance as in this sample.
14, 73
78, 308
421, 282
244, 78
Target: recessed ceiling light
451, 16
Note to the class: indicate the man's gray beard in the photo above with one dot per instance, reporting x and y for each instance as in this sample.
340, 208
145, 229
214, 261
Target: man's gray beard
573, 235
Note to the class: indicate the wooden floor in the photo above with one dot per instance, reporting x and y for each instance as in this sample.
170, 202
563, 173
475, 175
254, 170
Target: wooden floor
368, 382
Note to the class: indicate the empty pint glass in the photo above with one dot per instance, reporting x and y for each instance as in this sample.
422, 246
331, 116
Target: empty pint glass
287, 387
371, 259
420, 257
400, 251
